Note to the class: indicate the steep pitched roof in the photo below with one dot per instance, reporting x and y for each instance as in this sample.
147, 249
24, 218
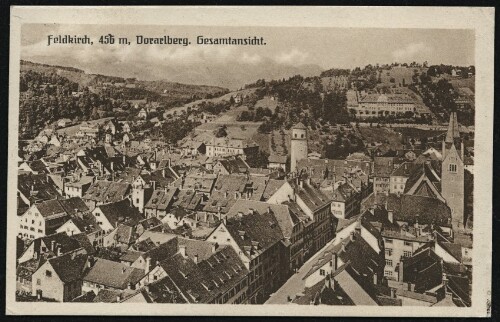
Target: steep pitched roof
313, 198
453, 131
121, 212
409, 208
36, 187
69, 267
204, 281
254, 232
285, 219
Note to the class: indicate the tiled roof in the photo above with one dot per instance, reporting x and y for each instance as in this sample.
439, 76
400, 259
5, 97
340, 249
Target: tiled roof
409, 208
285, 219
121, 212
274, 158
254, 232
404, 170
424, 270
113, 274
36, 187
69, 267
313, 198
272, 186
210, 278
107, 191
161, 199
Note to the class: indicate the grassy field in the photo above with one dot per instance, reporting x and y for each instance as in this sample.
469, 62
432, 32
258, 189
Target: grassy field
409, 132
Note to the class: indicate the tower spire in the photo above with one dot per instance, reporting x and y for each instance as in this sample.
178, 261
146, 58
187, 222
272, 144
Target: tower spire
453, 131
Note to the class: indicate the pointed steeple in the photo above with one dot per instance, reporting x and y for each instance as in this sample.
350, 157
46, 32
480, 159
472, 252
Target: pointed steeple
453, 132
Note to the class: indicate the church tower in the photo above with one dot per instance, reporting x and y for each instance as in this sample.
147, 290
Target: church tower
452, 173
299, 145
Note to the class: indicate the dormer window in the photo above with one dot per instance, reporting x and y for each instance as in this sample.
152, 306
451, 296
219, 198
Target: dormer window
453, 168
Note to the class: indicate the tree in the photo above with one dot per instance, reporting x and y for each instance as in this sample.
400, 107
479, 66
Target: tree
221, 131
265, 127
258, 160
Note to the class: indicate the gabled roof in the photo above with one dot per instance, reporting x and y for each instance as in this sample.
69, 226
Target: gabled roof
299, 126
206, 280
161, 199
113, 274
121, 212
285, 219
69, 267
313, 198
409, 208
107, 191
254, 231
36, 187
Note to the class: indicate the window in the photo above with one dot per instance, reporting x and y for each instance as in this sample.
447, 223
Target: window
388, 273
48, 273
388, 241
407, 243
38, 281
388, 252
406, 253
388, 262
453, 168
322, 272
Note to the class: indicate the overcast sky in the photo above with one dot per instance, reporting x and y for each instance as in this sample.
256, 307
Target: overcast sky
325, 47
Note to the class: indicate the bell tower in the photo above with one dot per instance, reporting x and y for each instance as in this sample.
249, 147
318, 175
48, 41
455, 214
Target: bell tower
298, 149
452, 173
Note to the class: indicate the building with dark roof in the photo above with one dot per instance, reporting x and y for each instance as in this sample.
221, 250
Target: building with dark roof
60, 278
110, 215
102, 192
220, 278
257, 237
34, 188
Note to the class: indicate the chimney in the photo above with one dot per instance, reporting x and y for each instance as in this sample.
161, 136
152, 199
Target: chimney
375, 278
153, 183
352, 236
301, 183
328, 282
148, 264
390, 216
59, 251
124, 159
163, 172
335, 261
401, 266
343, 245
118, 298
393, 293
182, 249
52, 245
196, 259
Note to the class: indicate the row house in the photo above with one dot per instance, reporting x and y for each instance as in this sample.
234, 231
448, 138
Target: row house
257, 239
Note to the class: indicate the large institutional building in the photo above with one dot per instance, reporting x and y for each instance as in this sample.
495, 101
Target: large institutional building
377, 105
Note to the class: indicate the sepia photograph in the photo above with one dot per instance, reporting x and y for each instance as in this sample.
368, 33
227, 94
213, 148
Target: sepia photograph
300, 168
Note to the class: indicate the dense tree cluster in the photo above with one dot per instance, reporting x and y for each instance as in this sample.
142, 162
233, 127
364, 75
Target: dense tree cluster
47, 98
